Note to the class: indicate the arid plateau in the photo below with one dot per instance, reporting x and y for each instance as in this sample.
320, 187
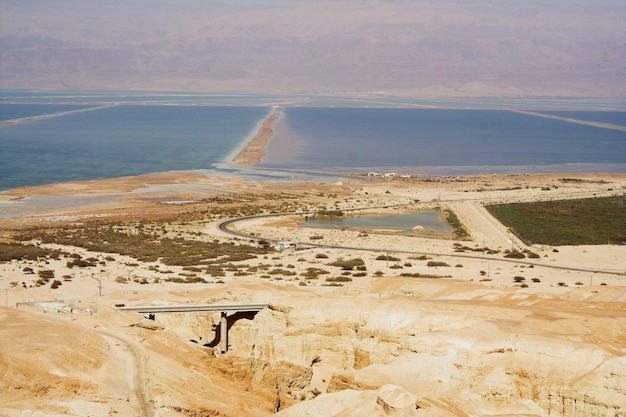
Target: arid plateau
360, 321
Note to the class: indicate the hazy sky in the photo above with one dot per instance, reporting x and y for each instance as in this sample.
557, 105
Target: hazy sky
439, 48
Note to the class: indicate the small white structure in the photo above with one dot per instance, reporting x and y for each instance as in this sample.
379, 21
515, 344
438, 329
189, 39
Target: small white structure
286, 245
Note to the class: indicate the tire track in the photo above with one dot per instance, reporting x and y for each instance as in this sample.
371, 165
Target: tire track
138, 383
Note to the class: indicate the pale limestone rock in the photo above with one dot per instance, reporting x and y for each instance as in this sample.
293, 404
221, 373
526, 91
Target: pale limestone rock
393, 399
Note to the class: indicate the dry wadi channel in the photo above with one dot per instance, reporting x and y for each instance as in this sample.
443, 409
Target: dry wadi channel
427, 330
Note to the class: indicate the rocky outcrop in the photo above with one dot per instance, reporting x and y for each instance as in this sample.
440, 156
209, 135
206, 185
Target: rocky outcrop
393, 399
489, 359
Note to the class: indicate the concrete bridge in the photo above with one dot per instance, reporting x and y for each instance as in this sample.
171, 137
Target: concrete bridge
226, 321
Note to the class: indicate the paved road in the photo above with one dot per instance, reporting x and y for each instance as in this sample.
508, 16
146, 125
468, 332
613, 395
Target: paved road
190, 308
224, 226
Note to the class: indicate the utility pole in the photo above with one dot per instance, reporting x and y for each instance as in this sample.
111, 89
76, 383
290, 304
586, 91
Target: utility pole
100, 288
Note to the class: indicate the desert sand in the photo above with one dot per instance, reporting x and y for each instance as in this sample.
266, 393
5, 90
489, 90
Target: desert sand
462, 339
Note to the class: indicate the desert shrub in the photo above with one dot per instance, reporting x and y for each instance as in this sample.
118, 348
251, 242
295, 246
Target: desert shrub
280, 271
56, 284
535, 280
519, 279
215, 271
359, 274
378, 274
46, 274
562, 284
579, 283
193, 280
387, 258
396, 266
328, 214
338, 279
524, 286
321, 256
436, 263
316, 237
81, 263
418, 275
515, 254
149, 247
313, 273
347, 264
18, 251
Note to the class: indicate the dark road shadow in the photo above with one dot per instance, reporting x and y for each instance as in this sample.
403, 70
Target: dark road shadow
230, 320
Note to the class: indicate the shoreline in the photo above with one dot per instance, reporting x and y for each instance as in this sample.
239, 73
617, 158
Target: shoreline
254, 151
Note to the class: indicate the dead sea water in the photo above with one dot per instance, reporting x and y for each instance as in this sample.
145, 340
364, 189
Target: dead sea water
444, 141
132, 134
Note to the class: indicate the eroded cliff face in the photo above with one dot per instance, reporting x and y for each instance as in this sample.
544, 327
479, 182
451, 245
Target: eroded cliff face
504, 355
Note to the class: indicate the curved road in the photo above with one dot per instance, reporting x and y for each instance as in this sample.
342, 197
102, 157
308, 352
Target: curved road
224, 226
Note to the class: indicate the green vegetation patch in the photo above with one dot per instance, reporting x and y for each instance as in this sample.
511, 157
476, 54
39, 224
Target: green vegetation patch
19, 251
147, 247
460, 232
589, 221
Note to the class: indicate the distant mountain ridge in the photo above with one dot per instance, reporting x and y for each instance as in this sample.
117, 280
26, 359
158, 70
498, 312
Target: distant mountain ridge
400, 48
